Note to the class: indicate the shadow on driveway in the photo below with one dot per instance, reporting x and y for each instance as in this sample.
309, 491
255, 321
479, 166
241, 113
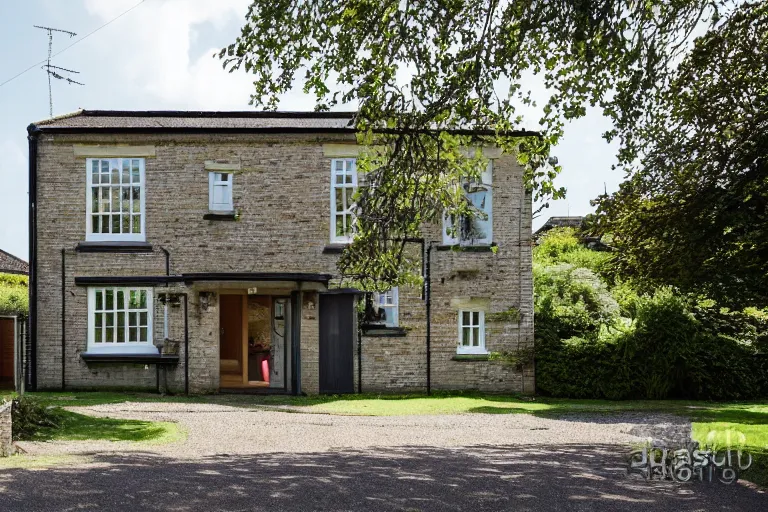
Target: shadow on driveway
570, 477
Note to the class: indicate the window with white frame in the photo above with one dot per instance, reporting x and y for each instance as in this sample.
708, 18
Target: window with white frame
343, 187
385, 306
115, 203
478, 229
220, 191
471, 332
120, 320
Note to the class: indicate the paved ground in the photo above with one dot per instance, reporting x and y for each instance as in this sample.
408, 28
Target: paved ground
237, 459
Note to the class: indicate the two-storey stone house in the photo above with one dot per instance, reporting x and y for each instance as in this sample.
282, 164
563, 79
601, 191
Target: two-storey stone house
197, 251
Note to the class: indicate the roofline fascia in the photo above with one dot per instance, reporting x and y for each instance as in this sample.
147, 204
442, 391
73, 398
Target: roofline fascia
224, 114
275, 130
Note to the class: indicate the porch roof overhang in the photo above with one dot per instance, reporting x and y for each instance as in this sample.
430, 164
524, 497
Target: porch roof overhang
203, 277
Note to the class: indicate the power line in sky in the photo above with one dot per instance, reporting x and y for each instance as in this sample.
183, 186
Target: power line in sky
86, 36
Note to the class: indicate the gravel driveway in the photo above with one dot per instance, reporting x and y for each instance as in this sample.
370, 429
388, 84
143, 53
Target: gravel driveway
237, 459
221, 429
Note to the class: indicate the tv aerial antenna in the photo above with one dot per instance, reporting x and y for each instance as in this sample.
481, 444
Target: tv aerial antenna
55, 71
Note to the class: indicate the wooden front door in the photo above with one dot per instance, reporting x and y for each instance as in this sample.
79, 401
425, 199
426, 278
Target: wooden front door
337, 343
6, 351
232, 364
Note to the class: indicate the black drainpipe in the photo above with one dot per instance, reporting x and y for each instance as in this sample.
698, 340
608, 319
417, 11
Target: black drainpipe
165, 316
186, 346
167, 262
428, 297
63, 320
359, 356
33, 132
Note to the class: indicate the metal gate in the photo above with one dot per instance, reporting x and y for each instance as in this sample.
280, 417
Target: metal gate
337, 343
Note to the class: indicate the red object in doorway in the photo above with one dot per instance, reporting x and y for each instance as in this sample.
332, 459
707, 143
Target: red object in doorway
265, 370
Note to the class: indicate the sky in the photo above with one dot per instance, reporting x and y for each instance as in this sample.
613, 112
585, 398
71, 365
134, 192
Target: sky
159, 56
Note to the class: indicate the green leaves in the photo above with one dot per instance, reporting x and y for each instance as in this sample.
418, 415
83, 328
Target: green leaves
424, 70
694, 211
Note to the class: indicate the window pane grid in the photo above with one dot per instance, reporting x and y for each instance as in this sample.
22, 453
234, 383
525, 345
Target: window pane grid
115, 189
121, 315
344, 183
471, 330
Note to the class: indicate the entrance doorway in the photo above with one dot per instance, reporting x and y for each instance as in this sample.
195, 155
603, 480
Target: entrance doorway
7, 341
337, 343
255, 341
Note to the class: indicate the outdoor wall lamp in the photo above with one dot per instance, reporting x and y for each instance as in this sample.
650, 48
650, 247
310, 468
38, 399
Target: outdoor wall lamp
205, 299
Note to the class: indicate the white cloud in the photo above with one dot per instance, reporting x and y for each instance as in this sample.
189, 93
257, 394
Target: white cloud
153, 48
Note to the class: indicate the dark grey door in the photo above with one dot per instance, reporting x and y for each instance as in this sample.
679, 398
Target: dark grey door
336, 343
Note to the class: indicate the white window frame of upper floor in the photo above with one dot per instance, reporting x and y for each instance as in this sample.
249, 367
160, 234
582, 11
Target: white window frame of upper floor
389, 301
131, 321
215, 181
124, 184
480, 326
343, 178
456, 237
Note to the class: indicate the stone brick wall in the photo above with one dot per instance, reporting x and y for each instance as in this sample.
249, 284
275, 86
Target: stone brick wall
6, 429
283, 196
504, 278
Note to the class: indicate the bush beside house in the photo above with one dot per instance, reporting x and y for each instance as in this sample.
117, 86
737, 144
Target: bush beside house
14, 294
597, 338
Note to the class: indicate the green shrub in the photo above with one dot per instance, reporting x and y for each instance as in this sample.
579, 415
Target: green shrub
13, 280
595, 339
555, 243
30, 416
577, 302
14, 294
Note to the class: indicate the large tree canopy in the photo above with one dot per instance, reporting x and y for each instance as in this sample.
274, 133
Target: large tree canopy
694, 210
420, 72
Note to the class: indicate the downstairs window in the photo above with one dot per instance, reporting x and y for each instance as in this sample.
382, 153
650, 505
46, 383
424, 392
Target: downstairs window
471, 332
120, 320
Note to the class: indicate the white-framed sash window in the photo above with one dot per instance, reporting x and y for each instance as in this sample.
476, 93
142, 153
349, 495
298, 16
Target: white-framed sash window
471, 332
343, 188
477, 230
220, 191
120, 320
115, 199
386, 306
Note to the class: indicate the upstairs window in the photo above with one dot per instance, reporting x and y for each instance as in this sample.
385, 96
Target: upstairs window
385, 305
115, 205
343, 187
120, 320
220, 192
477, 230
471, 332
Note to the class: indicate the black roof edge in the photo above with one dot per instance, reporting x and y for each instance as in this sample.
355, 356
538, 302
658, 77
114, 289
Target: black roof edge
202, 276
271, 129
289, 114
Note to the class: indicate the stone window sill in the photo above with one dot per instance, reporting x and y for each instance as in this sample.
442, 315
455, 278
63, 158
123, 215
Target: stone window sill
334, 248
471, 357
113, 247
380, 331
129, 358
230, 216
467, 248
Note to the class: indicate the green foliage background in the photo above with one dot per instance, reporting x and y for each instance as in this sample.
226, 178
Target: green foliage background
14, 294
598, 338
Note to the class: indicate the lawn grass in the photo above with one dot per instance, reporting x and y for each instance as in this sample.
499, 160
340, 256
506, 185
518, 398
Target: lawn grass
81, 427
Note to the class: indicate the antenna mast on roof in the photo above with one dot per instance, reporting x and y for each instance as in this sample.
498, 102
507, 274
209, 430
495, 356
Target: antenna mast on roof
55, 71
